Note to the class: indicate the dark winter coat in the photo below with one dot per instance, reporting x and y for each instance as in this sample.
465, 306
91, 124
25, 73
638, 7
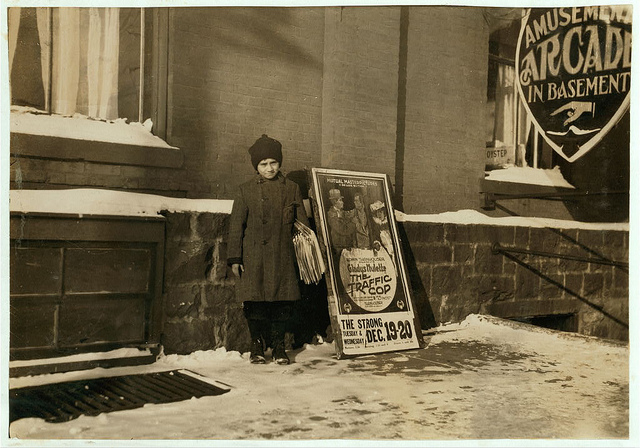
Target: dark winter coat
260, 238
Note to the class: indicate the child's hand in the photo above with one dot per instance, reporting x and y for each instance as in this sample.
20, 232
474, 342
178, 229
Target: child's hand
237, 269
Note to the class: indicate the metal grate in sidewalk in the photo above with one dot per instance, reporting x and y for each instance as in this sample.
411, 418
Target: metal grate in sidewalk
61, 402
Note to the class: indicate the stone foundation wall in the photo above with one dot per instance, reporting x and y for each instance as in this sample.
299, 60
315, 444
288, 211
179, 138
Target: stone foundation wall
452, 268
200, 311
455, 272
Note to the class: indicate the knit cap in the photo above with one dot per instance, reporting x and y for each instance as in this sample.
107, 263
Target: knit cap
265, 148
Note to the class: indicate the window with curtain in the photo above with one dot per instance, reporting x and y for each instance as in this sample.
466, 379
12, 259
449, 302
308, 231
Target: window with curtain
78, 61
511, 137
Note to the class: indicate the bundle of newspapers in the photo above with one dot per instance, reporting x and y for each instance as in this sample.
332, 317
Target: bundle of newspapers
308, 254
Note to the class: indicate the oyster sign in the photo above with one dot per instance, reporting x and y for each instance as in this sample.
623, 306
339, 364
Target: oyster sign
573, 67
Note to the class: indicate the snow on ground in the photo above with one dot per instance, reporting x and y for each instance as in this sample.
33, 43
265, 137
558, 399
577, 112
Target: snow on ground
112, 354
483, 378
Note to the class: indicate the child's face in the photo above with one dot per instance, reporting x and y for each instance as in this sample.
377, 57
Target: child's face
268, 168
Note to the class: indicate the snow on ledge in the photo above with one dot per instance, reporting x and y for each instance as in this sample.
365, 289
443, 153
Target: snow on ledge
89, 201
25, 120
91, 356
533, 176
475, 217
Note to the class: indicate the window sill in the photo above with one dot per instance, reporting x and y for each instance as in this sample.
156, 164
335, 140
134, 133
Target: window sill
520, 188
82, 139
493, 190
535, 178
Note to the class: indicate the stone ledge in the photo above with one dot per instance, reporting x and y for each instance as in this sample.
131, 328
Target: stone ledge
69, 149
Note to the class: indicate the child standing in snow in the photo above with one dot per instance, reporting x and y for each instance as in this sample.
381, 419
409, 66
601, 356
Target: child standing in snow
260, 249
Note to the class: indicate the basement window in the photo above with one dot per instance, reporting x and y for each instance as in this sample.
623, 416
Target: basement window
560, 322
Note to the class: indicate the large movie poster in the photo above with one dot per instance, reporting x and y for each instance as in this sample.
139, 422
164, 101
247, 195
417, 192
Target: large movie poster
369, 296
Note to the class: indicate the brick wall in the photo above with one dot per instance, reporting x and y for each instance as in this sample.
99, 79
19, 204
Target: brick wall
237, 73
325, 82
446, 92
360, 90
452, 269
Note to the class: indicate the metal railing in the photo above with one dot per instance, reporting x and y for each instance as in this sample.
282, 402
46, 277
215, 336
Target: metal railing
508, 252
497, 248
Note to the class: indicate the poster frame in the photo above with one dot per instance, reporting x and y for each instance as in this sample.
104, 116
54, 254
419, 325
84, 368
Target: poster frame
318, 194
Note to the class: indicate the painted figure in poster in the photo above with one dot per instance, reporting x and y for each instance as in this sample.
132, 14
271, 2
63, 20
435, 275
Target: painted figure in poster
381, 229
341, 225
362, 223
261, 252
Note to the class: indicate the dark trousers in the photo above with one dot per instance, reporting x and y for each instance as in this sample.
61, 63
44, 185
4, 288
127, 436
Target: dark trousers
311, 314
268, 320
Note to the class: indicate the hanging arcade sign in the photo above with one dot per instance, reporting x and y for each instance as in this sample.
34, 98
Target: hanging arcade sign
573, 70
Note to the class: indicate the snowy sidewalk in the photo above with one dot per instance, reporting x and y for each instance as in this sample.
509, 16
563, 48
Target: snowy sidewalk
482, 378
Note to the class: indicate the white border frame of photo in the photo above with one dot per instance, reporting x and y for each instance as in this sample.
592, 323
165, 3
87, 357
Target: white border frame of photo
369, 295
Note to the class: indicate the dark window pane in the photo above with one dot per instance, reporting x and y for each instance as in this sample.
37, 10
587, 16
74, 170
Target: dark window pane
32, 325
92, 319
107, 270
35, 270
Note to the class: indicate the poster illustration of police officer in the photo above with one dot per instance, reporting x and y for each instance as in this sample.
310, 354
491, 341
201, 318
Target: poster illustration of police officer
369, 296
